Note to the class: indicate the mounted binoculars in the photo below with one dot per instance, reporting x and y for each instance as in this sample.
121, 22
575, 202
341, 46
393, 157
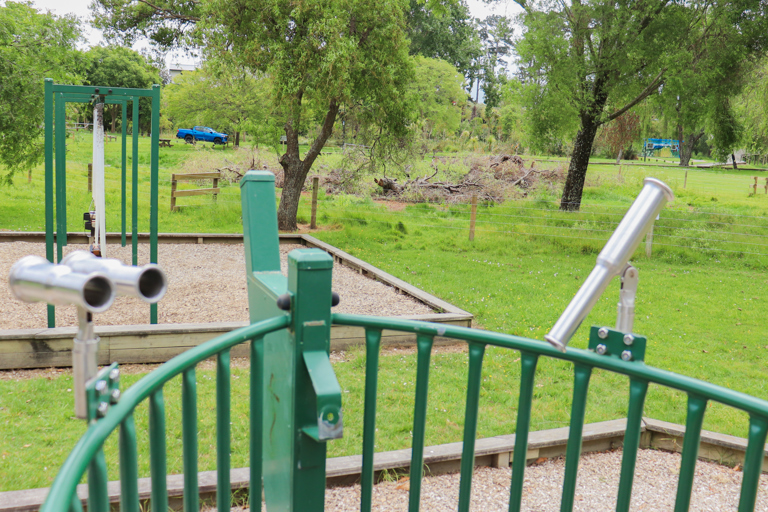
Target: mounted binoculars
613, 261
90, 283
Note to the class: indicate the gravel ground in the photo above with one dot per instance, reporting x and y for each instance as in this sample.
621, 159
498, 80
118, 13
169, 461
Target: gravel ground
206, 284
716, 487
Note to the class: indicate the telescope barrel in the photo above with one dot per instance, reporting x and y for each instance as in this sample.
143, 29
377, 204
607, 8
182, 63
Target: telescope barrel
612, 259
147, 282
35, 279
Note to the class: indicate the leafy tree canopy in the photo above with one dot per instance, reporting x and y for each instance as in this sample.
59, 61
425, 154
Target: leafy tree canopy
439, 94
33, 46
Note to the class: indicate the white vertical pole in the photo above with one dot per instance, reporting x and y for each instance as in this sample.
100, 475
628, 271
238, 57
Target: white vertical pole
98, 177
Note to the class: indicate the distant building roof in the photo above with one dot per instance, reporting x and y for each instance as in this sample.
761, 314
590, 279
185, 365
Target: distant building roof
177, 69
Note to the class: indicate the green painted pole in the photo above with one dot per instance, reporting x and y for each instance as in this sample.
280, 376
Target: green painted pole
153, 200
424, 351
581, 377
372, 347
637, 391
61, 191
697, 406
223, 432
158, 467
129, 471
189, 437
753, 463
98, 497
135, 184
256, 421
49, 184
520, 455
476, 351
123, 121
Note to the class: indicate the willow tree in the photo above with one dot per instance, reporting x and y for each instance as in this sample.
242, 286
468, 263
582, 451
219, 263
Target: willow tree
604, 57
319, 55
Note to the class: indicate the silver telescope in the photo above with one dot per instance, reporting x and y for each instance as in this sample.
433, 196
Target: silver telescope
147, 282
35, 279
612, 259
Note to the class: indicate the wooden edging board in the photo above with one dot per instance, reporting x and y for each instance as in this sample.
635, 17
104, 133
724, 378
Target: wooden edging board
494, 452
42, 348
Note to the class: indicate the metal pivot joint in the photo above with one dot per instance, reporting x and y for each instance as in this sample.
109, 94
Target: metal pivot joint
626, 308
612, 259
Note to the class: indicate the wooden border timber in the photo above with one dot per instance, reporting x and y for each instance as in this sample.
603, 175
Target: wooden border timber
42, 348
494, 452
175, 178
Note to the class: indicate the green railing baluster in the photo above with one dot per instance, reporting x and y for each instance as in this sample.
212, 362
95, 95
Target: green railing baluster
49, 198
157, 458
424, 350
696, 408
75, 505
129, 471
582, 374
523, 426
135, 184
637, 392
153, 187
124, 127
223, 438
98, 497
257, 421
753, 463
60, 144
372, 346
189, 439
476, 351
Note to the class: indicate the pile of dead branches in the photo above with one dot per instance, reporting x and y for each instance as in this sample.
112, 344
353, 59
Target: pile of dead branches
491, 179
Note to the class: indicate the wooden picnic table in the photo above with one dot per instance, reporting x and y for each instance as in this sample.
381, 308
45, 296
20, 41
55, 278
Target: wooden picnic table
165, 143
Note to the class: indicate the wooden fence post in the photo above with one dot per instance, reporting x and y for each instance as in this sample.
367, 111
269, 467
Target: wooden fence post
473, 215
685, 180
173, 192
315, 183
754, 187
90, 177
216, 187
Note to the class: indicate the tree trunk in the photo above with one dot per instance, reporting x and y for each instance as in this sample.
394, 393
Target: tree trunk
577, 169
686, 150
295, 170
618, 157
237, 139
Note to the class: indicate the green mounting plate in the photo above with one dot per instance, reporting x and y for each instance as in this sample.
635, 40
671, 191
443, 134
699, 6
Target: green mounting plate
613, 344
98, 394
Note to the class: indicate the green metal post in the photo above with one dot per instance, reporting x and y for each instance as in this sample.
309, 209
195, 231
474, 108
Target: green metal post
637, 391
49, 184
135, 184
223, 431
129, 471
157, 455
424, 351
189, 437
476, 351
153, 177
98, 497
520, 456
753, 463
372, 346
256, 421
61, 191
697, 406
122, 172
581, 377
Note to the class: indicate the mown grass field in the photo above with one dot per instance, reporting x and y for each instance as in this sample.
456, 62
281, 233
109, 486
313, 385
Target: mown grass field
701, 307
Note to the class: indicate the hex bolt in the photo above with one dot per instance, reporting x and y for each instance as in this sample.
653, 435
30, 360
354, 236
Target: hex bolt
101, 387
102, 409
629, 340
626, 356
115, 396
114, 375
601, 349
602, 333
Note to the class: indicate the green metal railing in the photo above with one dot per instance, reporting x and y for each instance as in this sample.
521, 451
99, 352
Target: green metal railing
295, 392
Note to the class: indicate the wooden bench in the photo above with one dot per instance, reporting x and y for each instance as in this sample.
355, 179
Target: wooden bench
108, 137
165, 143
175, 178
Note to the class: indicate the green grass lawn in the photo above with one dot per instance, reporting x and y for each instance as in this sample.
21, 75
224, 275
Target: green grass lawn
700, 306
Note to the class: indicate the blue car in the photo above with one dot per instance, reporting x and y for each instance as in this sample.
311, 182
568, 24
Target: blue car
202, 133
